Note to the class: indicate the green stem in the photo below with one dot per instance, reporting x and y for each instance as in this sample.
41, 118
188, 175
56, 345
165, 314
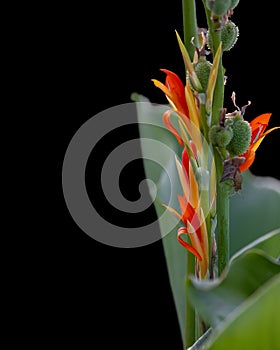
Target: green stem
190, 33
222, 187
190, 25
223, 192
190, 312
218, 100
205, 193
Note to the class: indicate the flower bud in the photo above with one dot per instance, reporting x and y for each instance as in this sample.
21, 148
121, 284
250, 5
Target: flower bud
229, 36
242, 133
202, 69
220, 136
219, 7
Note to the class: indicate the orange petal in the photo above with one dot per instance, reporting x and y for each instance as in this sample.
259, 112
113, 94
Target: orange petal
184, 180
262, 119
173, 211
255, 146
162, 87
194, 191
249, 159
189, 247
186, 209
166, 119
177, 89
185, 161
258, 126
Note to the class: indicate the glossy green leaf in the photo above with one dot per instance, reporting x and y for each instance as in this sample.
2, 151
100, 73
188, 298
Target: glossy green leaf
269, 243
175, 254
215, 300
254, 211
253, 325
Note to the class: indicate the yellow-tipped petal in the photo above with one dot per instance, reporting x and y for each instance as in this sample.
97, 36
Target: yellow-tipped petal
201, 246
194, 118
162, 87
256, 144
213, 185
212, 80
193, 112
204, 235
184, 180
188, 64
194, 192
173, 211
194, 238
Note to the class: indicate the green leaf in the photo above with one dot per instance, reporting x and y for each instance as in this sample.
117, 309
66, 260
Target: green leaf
254, 210
269, 243
215, 300
151, 126
253, 325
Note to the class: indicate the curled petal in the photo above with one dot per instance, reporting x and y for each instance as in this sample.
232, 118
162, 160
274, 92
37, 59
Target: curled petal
189, 247
166, 119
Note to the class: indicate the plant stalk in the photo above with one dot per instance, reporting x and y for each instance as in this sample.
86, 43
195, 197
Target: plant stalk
222, 187
190, 35
190, 337
190, 26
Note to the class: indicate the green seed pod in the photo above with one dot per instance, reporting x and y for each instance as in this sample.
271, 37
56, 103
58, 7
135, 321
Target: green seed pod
229, 36
240, 141
219, 7
220, 136
234, 3
202, 69
224, 136
213, 131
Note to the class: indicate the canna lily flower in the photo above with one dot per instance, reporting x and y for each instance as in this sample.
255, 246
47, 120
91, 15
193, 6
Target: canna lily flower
182, 101
258, 126
175, 93
192, 215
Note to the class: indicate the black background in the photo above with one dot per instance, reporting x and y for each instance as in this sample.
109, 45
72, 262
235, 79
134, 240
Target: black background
94, 296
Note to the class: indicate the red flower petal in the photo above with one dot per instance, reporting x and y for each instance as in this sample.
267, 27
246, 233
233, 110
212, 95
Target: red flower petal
175, 85
189, 247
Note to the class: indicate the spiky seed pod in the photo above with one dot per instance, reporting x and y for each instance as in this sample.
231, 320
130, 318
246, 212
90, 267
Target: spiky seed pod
219, 7
220, 136
224, 136
234, 3
242, 133
213, 134
202, 69
229, 36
